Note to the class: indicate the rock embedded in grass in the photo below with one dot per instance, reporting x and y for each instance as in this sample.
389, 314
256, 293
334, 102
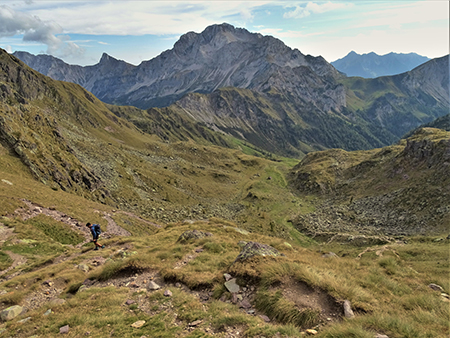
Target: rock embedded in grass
193, 234
11, 312
251, 249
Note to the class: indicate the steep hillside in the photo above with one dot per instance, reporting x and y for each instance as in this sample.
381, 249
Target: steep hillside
372, 65
70, 140
402, 102
197, 240
403, 189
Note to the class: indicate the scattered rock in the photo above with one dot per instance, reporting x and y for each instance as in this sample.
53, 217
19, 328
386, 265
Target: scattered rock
153, 286
265, 318
129, 302
257, 249
48, 312
380, 336
227, 276
24, 320
64, 329
311, 332
198, 250
11, 312
138, 324
83, 267
168, 293
245, 304
193, 234
195, 323
330, 255
88, 282
348, 309
445, 297
232, 286
435, 287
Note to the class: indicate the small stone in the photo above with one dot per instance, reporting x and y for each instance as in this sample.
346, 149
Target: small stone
178, 285
129, 302
435, 287
251, 312
48, 312
24, 320
87, 333
311, 332
153, 286
227, 276
83, 267
138, 324
348, 309
380, 336
168, 293
265, 318
64, 329
199, 250
245, 304
196, 323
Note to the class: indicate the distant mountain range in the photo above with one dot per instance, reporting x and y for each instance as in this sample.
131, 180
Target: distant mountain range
220, 56
372, 65
257, 89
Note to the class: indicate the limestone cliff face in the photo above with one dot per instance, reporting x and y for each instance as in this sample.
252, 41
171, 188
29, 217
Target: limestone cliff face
220, 56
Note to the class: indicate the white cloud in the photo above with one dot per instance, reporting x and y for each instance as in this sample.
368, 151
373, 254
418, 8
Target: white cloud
406, 13
280, 33
312, 8
144, 17
35, 30
8, 49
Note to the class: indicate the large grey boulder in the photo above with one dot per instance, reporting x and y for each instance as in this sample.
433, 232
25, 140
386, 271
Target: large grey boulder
11, 312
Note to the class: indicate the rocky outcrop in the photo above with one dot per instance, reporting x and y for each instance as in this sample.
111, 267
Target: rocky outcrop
398, 190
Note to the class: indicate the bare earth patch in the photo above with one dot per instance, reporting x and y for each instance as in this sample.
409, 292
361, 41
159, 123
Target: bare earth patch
306, 297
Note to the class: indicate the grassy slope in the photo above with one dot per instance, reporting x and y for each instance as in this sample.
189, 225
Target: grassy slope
159, 181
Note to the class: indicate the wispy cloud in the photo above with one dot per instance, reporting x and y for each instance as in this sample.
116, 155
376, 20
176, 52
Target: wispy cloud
300, 11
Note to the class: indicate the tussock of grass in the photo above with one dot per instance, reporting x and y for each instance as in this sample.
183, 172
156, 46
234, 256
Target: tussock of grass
283, 311
5, 261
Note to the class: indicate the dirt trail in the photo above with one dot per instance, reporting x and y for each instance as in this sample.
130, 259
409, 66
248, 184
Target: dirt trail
34, 210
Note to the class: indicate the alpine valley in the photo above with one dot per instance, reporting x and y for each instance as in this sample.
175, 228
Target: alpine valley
243, 190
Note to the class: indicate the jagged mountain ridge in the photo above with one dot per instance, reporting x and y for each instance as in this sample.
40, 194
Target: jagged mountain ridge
220, 56
372, 65
297, 103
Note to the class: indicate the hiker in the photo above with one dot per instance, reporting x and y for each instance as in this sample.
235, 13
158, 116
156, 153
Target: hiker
95, 230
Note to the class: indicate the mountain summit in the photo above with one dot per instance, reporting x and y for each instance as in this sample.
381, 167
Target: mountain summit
220, 56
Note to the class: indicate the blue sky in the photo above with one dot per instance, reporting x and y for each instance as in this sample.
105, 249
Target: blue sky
80, 31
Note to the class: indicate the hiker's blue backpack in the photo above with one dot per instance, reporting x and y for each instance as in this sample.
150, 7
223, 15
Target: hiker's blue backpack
96, 228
